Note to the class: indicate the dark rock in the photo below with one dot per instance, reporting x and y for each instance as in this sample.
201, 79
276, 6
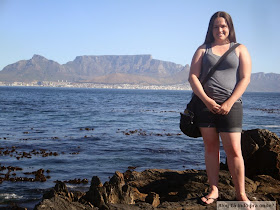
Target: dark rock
261, 153
60, 203
159, 189
60, 198
132, 167
75, 181
96, 193
60, 187
95, 182
112, 192
169, 189
266, 184
39, 175
153, 199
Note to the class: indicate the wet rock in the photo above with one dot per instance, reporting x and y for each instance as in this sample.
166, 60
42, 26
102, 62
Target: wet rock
12, 168
141, 132
132, 167
87, 129
74, 153
76, 181
13, 152
271, 111
39, 175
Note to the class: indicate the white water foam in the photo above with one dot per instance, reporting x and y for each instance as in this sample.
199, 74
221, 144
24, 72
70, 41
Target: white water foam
272, 126
8, 196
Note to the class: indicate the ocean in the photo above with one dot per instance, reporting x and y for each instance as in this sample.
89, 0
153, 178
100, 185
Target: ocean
79, 133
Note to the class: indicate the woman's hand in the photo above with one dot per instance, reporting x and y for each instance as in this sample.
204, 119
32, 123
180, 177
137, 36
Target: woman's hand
212, 105
225, 108
217, 108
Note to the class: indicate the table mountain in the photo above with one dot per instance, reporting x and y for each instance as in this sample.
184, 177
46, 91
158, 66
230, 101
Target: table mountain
98, 69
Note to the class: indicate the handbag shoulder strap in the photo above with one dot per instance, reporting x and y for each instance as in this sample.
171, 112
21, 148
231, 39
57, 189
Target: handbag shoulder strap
213, 69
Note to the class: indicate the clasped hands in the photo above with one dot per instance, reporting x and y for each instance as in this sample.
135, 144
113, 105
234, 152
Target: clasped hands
215, 108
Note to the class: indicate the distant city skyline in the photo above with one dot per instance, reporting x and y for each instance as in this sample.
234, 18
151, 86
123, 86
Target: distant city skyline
167, 30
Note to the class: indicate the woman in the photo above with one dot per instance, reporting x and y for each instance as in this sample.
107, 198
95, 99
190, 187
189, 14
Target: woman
221, 105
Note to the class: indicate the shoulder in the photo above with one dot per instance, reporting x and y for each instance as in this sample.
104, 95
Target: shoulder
202, 47
197, 60
201, 50
242, 50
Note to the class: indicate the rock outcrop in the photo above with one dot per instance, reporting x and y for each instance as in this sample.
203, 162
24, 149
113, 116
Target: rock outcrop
170, 189
60, 198
156, 189
261, 153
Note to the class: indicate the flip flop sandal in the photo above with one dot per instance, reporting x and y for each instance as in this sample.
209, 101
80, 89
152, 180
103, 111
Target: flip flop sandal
204, 202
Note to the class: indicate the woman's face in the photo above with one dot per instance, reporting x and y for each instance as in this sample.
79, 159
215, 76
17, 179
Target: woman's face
220, 30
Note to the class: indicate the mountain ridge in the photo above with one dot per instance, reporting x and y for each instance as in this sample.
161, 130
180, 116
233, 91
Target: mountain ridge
116, 69
87, 68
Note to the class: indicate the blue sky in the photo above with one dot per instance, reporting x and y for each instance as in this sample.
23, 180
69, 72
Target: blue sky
169, 30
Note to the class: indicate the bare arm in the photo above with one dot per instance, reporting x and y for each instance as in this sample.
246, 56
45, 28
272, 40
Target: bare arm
195, 83
245, 68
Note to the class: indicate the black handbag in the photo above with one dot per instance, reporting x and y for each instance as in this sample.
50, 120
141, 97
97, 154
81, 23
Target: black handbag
188, 121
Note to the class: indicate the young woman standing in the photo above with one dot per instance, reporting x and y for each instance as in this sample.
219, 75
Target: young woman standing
220, 108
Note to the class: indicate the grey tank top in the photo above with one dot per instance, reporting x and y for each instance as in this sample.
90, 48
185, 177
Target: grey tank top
222, 83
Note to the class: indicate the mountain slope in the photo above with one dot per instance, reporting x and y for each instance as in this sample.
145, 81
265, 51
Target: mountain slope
37, 68
116, 69
128, 64
87, 68
262, 82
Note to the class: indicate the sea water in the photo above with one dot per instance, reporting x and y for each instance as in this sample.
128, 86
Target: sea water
95, 132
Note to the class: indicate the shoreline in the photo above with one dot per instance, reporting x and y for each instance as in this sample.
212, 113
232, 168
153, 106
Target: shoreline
176, 87
66, 84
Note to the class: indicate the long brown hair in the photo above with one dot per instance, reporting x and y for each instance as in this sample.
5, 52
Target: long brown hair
209, 36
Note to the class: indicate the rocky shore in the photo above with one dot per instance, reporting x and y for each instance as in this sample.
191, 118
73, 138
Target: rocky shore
170, 189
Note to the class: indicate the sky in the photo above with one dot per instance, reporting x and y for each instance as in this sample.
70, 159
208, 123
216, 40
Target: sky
169, 30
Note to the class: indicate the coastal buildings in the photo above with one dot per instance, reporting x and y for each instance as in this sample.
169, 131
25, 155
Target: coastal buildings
95, 85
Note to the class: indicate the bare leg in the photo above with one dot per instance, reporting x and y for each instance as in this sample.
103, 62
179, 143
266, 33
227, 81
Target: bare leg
232, 147
212, 161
